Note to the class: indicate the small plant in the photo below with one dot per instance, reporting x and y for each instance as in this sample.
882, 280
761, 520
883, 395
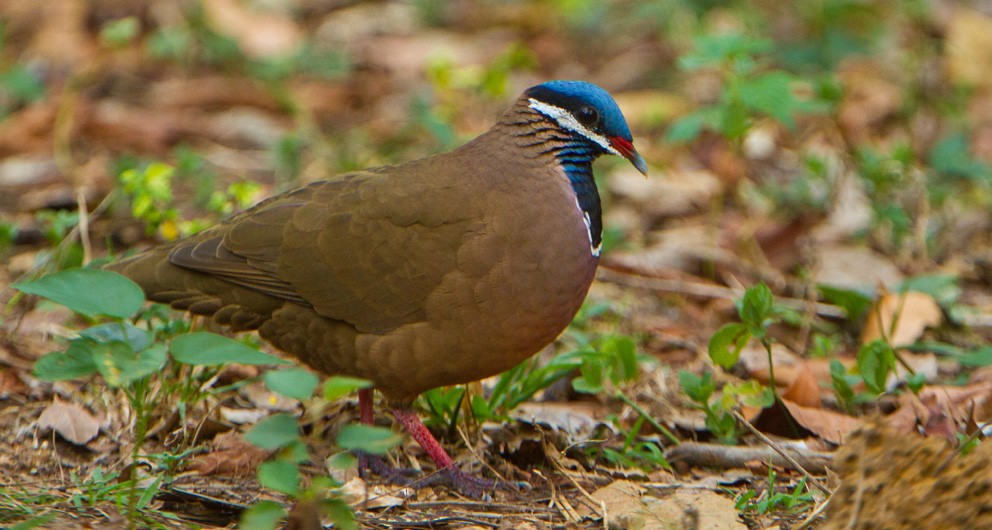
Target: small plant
718, 419
757, 312
149, 188
153, 364
19, 83
772, 499
750, 89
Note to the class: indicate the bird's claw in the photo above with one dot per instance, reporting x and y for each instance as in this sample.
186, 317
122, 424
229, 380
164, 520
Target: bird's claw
467, 484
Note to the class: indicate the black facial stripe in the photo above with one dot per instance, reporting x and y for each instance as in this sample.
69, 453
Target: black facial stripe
571, 104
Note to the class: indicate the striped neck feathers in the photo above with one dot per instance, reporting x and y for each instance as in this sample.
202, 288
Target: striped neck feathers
574, 154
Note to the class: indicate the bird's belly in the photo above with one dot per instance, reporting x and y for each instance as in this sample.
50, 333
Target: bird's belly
514, 292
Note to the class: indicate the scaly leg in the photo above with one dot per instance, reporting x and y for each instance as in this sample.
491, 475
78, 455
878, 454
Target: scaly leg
376, 463
469, 485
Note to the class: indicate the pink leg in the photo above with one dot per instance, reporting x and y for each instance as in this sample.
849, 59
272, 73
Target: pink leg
365, 406
412, 424
469, 485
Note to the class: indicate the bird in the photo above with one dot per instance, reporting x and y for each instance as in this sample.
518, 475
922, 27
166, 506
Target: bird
433, 272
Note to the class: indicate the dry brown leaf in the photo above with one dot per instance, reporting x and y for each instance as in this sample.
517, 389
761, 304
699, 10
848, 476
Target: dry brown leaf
804, 390
71, 421
869, 98
11, 383
576, 419
969, 47
230, 455
676, 193
754, 359
912, 313
855, 267
259, 34
940, 404
827, 424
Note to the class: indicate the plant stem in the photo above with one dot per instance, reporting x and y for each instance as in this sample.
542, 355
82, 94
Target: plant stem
644, 414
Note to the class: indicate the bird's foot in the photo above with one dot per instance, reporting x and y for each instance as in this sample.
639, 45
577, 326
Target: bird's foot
467, 484
378, 465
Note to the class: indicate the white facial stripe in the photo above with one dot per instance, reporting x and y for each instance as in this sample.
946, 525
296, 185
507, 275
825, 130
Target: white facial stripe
566, 120
585, 218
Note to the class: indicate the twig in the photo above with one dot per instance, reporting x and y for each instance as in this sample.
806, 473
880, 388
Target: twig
705, 290
810, 479
820, 508
598, 506
729, 456
84, 225
468, 445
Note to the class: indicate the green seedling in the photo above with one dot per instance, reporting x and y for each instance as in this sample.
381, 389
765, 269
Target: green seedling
773, 500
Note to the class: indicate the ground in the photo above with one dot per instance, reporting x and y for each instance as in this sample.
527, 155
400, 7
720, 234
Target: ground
810, 257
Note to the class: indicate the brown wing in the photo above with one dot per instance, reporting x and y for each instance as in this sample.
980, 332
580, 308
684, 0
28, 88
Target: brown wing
366, 248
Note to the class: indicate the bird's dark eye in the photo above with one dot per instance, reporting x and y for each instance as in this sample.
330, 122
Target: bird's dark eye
587, 116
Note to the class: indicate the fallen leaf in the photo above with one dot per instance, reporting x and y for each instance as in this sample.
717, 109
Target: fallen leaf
911, 311
940, 404
827, 424
857, 268
870, 98
677, 193
261, 34
265, 399
576, 419
804, 389
969, 47
230, 454
71, 421
11, 383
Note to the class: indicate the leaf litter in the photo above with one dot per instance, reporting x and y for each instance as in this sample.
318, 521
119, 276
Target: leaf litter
696, 238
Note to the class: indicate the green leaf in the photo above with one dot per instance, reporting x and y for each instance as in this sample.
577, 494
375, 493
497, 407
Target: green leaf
854, 303
74, 363
756, 306
841, 383
624, 352
88, 291
686, 128
35, 522
265, 515
373, 440
726, 344
296, 383
942, 287
916, 381
281, 476
21, 83
119, 33
205, 348
591, 378
119, 364
340, 513
952, 156
876, 360
979, 357
278, 430
134, 336
339, 386
699, 389
771, 94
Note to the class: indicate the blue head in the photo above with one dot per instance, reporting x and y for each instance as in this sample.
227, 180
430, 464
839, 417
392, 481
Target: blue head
588, 111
